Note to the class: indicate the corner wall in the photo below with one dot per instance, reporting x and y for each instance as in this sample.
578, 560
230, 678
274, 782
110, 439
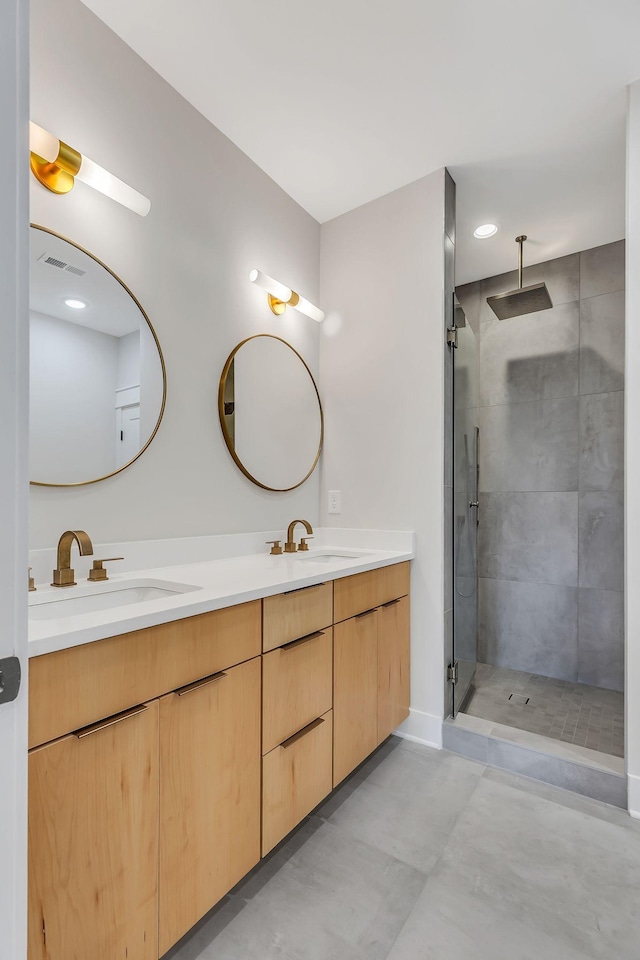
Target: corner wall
632, 446
214, 215
382, 379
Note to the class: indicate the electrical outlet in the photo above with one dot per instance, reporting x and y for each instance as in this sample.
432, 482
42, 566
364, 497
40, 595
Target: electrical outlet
335, 501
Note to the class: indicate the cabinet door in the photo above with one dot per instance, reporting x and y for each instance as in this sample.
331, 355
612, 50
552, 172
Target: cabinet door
393, 666
355, 692
209, 794
93, 842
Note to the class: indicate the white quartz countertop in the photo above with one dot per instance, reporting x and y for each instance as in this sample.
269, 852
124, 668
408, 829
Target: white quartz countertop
212, 584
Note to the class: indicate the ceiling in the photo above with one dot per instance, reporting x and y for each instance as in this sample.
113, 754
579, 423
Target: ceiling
342, 101
109, 308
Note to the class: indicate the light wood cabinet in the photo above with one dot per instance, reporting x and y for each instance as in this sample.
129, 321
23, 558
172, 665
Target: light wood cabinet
363, 591
289, 616
393, 666
296, 777
93, 842
296, 686
222, 732
209, 794
72, 688
355, 692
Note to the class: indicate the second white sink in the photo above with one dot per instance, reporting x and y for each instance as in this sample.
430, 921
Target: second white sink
50, 606
328, 556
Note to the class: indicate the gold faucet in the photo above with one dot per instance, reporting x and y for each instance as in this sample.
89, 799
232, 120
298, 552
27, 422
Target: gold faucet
290, 546
63, 575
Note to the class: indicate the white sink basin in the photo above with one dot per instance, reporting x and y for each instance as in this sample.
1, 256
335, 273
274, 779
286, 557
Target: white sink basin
74, 601
329, 556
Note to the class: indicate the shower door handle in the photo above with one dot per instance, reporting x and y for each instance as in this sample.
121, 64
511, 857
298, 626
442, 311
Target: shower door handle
474, 503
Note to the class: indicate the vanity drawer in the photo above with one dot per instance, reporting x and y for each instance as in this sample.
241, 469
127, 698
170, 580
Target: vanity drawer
72, 688
364, 591
296, 686
289, 616
296, 777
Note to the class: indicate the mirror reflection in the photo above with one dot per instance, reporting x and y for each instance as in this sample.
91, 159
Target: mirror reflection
270, 413
97, 388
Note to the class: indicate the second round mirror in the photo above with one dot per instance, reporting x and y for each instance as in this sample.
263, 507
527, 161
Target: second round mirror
270, 413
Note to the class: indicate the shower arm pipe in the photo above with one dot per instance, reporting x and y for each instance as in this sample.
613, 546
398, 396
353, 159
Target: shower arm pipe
520, 241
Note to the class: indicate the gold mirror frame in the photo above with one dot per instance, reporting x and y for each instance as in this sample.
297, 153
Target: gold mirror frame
225, 429
84, 483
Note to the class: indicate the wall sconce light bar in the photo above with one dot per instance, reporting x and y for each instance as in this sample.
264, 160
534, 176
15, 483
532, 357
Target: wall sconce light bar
57, 166
281, 297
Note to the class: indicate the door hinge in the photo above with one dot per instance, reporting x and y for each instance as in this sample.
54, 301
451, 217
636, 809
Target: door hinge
10, 675
452, 337
452, 672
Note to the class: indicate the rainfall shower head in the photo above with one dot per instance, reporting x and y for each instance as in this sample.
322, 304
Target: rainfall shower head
515, 303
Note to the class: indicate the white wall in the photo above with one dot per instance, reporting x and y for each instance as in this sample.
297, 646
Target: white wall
72, 401
14, 403
381, 356
129, 360
214, 216
632, 448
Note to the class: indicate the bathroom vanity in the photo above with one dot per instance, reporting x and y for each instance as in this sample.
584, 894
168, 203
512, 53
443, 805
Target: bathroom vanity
166, 761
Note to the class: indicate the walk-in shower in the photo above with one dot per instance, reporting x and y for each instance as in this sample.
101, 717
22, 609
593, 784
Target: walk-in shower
537, 527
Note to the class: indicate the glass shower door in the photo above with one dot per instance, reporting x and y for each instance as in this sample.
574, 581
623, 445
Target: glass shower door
465, 508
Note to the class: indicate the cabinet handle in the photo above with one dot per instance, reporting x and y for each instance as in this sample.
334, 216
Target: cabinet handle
392, 603
302, 733
118, 718
199, 683
311, 586
295, 643
365, 614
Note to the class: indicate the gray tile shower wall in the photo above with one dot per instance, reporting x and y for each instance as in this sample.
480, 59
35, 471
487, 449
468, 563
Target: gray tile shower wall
550, 550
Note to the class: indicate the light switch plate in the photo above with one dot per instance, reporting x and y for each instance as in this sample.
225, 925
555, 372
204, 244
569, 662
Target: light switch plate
334, 501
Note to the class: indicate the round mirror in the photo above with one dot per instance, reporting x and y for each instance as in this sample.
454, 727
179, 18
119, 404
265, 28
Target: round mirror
98, 383
270, 413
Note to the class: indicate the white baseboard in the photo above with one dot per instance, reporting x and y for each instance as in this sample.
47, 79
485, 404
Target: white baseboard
422, 728
633, 783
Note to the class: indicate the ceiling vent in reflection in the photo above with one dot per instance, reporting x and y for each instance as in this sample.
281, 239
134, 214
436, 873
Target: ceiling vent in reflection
61, 265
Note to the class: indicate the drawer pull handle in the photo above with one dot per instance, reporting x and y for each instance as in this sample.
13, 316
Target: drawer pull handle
199, 683
365, 614
392, 603
302, 733
295, 643
111, 722
311, 586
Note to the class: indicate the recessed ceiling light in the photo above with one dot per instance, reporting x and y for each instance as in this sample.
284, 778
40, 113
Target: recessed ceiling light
485, 231
76, 304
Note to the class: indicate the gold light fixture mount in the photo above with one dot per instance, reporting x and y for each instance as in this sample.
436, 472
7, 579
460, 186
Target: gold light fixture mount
279, 306
59, 175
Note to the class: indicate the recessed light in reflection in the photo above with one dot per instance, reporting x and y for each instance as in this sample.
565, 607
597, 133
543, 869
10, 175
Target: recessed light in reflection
76, 304
485, 231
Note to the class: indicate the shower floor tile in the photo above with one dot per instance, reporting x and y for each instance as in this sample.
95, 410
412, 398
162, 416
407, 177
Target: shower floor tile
571, 712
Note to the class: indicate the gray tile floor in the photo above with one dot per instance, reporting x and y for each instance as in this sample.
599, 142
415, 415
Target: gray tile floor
571, 712
425, 855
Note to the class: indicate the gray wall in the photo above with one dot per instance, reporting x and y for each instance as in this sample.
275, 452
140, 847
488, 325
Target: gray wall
551, 472
214, 216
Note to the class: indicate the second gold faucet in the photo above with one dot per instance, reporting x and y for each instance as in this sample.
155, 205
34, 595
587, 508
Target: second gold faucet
290, 545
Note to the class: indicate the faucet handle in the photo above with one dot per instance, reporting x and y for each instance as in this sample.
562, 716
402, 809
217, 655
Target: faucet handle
276, 549
303, 542
32, 583
97, 571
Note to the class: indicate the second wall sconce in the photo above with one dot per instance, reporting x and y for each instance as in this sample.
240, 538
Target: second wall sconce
57, 166
280, 297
